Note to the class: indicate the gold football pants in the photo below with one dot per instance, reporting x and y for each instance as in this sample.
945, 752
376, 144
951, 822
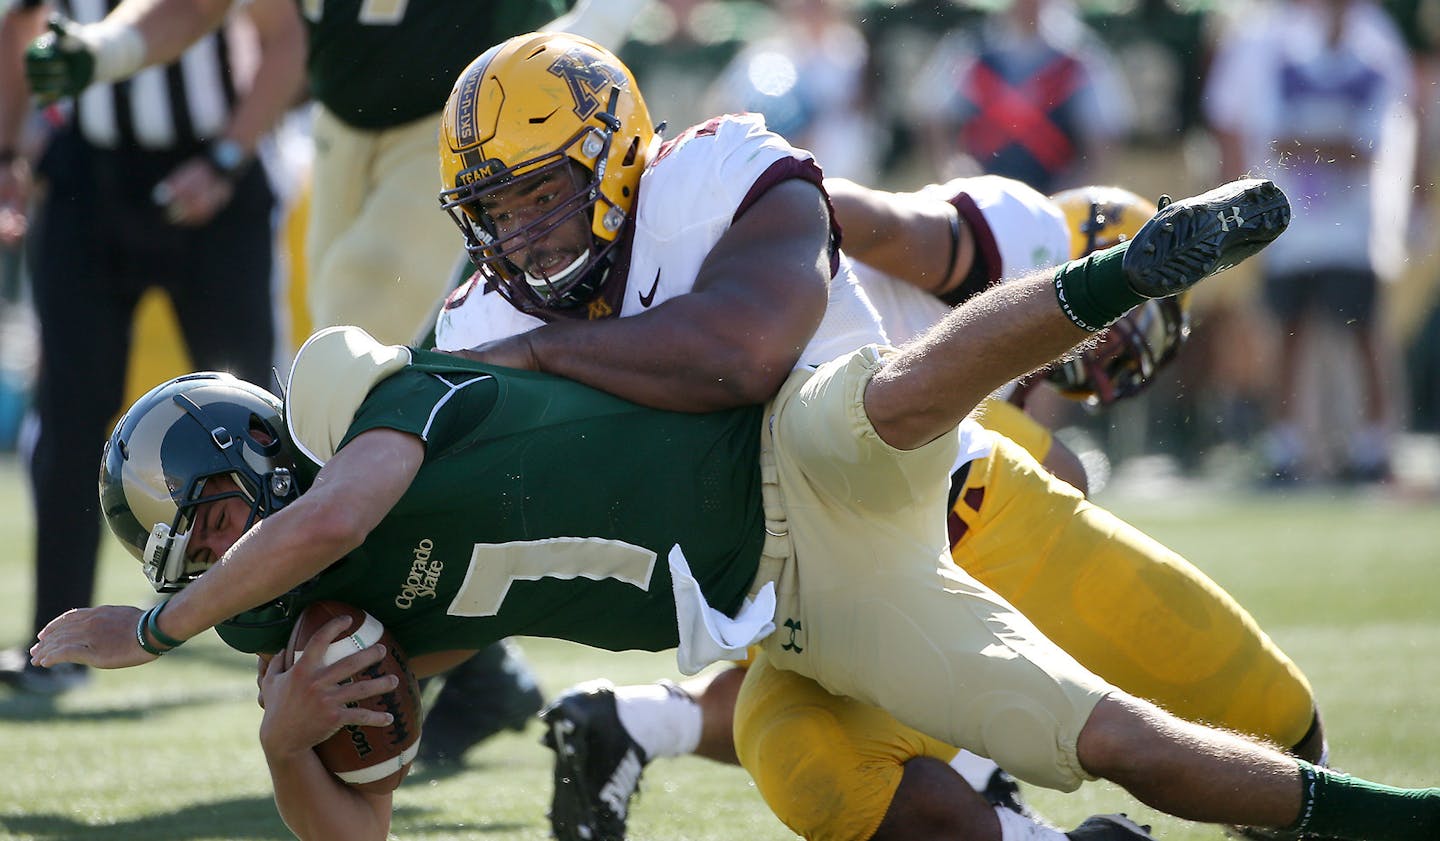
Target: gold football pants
1126, 607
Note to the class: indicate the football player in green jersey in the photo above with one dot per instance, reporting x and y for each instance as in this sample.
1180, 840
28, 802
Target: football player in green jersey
377, 254
812, 526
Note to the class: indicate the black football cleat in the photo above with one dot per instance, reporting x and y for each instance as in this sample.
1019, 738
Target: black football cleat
1189, 240
1109, 828
597, 764
490, 693
1003, 791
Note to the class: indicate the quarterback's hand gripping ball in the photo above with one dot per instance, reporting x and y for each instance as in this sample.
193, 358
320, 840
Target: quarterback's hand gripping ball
372, 759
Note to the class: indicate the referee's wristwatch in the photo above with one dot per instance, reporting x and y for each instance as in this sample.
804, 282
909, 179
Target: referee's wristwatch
227, 157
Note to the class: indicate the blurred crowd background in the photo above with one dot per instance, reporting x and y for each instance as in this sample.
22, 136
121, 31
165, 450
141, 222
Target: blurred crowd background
1158, 96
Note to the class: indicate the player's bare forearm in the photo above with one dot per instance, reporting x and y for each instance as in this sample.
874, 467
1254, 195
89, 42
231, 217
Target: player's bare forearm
169, 27
318, 807
938, 379
278, 554
759, 295
350, 495
303, 706
695, 353
906, 235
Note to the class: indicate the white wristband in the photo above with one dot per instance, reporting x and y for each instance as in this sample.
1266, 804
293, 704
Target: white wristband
119, 49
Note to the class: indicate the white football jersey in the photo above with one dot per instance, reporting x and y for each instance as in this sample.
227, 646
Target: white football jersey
689, 194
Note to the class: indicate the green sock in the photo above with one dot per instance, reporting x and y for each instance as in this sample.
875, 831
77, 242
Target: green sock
1339, 805
1093, 292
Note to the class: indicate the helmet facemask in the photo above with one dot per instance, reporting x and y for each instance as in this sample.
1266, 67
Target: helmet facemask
1127, 356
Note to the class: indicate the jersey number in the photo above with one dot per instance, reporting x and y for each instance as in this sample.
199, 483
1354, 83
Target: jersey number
496, 566
373, 12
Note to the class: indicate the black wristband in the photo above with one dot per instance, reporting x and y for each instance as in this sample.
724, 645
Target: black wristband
140, 635
152, 625
7, 157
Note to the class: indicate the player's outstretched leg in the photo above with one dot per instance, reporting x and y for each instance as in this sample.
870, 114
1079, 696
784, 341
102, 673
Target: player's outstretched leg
1201, 774
597, 764
1194, 238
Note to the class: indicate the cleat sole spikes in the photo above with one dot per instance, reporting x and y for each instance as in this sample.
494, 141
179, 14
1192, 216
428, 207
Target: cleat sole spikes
1192, 239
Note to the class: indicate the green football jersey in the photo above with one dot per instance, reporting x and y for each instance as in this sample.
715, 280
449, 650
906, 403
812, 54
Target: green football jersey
546, 508
382, 63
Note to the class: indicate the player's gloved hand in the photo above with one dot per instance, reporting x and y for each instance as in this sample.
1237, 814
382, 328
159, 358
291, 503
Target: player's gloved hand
59, 63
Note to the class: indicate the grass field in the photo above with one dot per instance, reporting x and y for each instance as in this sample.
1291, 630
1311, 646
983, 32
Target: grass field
167, 752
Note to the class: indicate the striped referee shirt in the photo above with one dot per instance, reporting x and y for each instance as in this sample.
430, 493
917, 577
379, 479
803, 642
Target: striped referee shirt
176, 106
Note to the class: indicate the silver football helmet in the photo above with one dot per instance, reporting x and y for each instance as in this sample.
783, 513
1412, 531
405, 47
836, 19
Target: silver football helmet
169, 444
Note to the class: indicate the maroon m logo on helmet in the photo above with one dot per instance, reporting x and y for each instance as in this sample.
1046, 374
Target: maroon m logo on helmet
587, 76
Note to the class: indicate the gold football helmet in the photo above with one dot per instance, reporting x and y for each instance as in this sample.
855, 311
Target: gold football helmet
1100, 217
537, 106
1128, 355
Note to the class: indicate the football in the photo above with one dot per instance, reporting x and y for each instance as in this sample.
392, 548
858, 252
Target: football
373, 759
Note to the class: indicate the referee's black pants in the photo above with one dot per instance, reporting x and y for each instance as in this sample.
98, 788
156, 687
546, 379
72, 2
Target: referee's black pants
97, 243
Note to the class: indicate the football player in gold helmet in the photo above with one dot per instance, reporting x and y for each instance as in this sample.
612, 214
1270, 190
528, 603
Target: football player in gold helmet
561, 119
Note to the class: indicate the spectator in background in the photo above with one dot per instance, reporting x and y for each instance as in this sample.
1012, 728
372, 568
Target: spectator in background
1419, 310
810, 77
1419, 24
148, 182
1030, 93
1315, 94
678, 47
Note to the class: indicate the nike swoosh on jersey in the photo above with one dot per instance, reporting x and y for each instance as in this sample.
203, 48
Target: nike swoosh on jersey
647, 297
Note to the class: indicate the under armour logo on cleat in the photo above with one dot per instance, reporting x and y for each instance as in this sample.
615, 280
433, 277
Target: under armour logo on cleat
1225, 223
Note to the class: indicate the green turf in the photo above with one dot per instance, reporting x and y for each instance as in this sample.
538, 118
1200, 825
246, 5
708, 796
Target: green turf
168, 752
